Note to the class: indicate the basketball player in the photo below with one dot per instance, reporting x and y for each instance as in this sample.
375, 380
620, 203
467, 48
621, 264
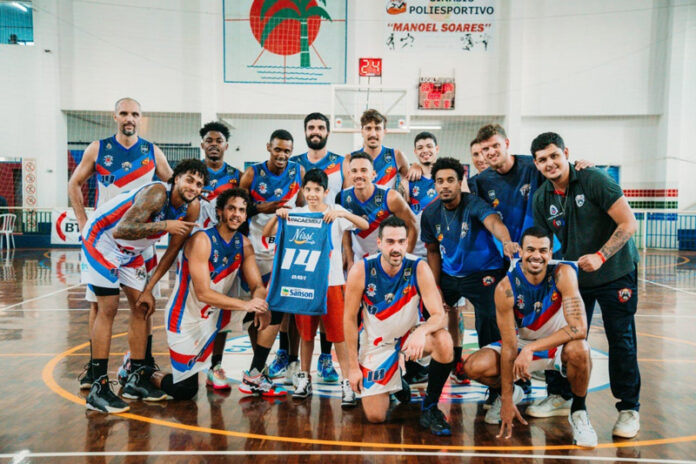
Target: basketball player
422, 191
588, 213
198, 307
477, 158
112, 242
456, 230
315, 189
316, 131
388, 162
541, 318
387, 289
373, 202
122, 162
273, 184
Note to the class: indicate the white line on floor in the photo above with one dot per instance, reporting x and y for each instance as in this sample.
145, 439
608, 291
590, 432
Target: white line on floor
676, 289
39, 297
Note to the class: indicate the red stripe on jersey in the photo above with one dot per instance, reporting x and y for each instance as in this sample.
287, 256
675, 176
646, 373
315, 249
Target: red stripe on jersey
229, 270
398, 304
388, 177
180, 302
546, 315
101, 170
335, 168
141, 171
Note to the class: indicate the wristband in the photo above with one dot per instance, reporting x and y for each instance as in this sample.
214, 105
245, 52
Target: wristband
601, 256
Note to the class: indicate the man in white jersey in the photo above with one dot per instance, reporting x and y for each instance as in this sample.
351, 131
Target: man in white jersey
375, 204
314, 189
542, 322
112, 244
121, 162
388, 162
198, 307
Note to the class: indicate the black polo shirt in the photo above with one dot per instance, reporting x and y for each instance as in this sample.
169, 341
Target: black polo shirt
580, 221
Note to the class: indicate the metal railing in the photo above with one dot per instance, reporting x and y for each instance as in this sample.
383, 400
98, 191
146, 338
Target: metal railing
667, 229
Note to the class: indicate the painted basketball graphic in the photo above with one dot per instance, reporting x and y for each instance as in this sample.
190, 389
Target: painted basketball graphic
287, 27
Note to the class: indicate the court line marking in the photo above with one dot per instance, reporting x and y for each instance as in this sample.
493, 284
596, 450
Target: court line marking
39, 297
28, 454
48, 378
676, 289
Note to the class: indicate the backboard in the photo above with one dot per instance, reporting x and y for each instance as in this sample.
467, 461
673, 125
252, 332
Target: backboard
348, 102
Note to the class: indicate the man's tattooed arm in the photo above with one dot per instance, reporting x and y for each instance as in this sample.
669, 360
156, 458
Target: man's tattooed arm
626, 223
133, 225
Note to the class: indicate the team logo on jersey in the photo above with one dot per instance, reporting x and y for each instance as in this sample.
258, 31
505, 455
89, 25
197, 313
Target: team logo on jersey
141, 273
262, 172
237, 243
145, 162
216, 256
213, 239
415, 191
144, 149
378, 198
416, 207
263, 188
558, 223
524, 191
431, 192
388, 157
465, 229
537, 307
333, 157
213, 183
381, 214
349, 199
491, 194
389, 297
554, 296
406, 290
109, 146
373, 272
291, 172
278, 192
126, 166
520, 302
224, 260
407, 271
372, 309
553, 210
625, 294
580, 200
371, 289
488, 281
108, 160
495, 203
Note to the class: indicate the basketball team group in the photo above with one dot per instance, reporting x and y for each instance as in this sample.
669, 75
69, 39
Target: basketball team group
531, 242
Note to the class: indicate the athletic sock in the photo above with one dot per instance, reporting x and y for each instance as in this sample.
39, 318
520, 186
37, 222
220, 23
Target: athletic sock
99, 367
578, 403
325, 344
150, 360
216, 359
284, 341
457, 354
292, 358
258, 362
437, 376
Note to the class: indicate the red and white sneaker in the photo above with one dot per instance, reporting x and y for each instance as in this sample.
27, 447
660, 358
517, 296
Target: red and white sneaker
258, 383
458, 375
217, 379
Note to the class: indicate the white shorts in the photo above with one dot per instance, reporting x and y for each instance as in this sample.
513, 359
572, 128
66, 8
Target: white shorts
111, 269
542, 360
191, 347
150, 259
380, 366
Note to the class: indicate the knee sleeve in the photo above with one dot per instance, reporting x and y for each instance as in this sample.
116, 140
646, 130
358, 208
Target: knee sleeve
184, 390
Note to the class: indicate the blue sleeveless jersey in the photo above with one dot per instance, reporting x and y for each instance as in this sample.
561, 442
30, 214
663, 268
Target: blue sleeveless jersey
121, 169
537, 308
466, 246
332, 165
385, 167
267, 186
421, 194
226, 177
300, 277
375, 210
511, 194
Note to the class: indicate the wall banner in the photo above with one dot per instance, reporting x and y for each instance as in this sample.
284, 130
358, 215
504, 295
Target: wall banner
64, 229
285, 41
427, 25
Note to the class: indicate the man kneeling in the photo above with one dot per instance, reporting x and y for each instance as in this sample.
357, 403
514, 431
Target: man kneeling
389, 286
541, 302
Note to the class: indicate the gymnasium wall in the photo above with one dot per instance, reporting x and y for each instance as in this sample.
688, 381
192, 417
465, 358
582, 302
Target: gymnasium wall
616, 79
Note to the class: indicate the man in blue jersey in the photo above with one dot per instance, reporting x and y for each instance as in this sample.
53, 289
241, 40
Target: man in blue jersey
112, 244
389, 163
456, 230
199, 306
422, 191
387, 289
121, 163
541, 317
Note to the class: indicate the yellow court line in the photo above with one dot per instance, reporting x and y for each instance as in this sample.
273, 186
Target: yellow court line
643, 334
661, 266
48, 378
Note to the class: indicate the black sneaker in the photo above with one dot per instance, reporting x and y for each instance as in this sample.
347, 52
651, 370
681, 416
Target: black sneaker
85, 379
490, 398
415, 373
434, 420
526, 385
404, 396
138, 386
103, 399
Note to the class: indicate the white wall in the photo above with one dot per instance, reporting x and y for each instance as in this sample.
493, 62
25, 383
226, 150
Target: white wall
616, 79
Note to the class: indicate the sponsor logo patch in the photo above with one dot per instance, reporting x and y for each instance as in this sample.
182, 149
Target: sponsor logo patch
297, 292
625, 294
488, 280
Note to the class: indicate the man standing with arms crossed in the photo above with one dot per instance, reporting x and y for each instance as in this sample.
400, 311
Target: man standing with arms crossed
588, 213
122, 162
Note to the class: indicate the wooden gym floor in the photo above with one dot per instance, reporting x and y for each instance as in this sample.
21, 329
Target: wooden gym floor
43, 330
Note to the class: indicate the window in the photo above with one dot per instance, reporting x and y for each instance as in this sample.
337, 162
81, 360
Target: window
16, 23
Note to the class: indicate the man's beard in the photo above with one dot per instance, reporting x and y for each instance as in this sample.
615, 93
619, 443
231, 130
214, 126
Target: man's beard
317, 145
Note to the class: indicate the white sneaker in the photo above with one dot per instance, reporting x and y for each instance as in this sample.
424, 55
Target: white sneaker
493, 414
627, 425
303, 389
583, 433
348, 398
291, 372
552, 405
